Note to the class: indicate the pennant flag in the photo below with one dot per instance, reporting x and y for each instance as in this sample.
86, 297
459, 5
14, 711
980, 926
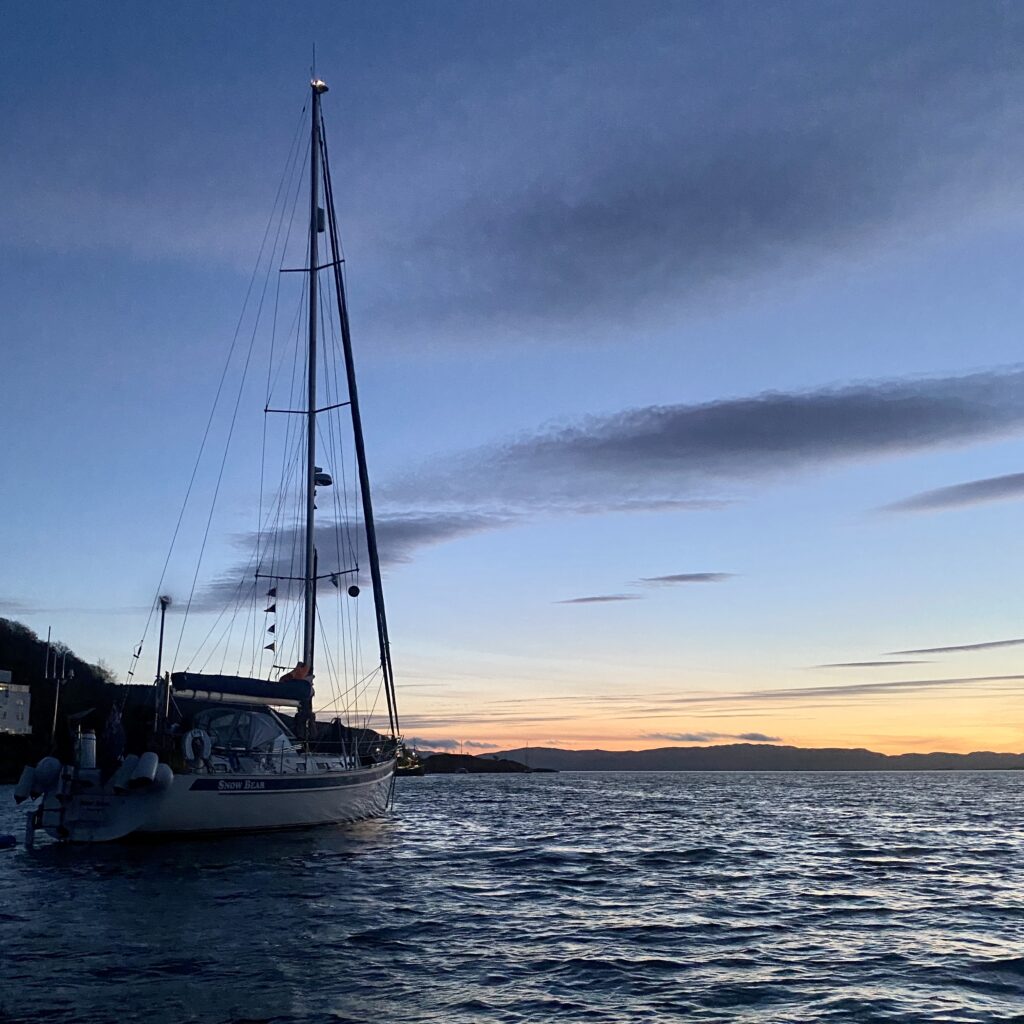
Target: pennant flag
272, 608
270, 647
272, 592
334, 579
271, 630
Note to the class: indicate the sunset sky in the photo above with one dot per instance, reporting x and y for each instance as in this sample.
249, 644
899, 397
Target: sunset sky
689, 339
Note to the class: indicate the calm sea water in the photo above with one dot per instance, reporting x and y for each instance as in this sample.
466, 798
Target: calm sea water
589, 897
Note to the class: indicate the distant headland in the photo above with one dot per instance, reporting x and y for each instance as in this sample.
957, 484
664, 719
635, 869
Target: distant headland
754, 757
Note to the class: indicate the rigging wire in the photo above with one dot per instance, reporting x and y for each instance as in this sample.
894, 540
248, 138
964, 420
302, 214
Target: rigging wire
216, 490
327, 443
280, 209
289, 467
231, 431
348, 612
382, 628
216, 399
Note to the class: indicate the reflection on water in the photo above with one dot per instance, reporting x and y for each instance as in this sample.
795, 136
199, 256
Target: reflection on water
597, 897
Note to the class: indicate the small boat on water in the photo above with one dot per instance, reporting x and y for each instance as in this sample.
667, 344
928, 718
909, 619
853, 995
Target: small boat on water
220, 753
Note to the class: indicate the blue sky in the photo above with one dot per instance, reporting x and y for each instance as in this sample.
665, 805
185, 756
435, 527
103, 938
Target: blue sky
637, 291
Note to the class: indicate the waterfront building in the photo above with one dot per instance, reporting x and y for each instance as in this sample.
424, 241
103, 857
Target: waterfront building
14, 705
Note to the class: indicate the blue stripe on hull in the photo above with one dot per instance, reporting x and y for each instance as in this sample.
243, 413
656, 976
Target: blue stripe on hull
276, 784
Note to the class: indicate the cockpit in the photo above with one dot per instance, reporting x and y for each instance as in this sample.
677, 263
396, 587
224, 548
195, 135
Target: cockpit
243, 730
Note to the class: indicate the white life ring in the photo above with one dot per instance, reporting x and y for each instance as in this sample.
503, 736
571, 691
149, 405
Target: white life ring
197, 746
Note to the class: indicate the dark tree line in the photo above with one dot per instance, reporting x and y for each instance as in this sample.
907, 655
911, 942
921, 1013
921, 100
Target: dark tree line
88, 690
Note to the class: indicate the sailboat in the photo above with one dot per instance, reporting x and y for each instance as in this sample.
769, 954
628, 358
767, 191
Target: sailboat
232, 753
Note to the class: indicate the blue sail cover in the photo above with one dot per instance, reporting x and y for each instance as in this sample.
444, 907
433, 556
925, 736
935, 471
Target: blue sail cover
241, 686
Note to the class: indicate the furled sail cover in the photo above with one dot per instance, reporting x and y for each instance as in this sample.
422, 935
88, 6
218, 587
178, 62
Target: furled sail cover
241, 686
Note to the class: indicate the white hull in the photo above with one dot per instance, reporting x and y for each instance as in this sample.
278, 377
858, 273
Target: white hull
219, 803
255, 803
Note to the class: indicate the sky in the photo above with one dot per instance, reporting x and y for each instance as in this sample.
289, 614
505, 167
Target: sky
688, 339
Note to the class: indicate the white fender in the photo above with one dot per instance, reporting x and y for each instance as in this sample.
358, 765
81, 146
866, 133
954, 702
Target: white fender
24, 786
46, 776
145, 770
163, 779
120, 779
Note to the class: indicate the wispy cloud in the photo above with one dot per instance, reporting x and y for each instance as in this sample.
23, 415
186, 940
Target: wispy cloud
686, 577
974, 492
707, 737
602, 508
762, 163
668, 452
399, 537
597, 165
667, 707
849, 689
429, 743
601, 599
987, 645
758, 702
870, 664
147, 224
480, 721
19, 608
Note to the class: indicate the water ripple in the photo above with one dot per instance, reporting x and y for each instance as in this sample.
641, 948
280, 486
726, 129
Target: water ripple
744, 898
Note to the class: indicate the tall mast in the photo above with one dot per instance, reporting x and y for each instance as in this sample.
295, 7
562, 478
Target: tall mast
318, 88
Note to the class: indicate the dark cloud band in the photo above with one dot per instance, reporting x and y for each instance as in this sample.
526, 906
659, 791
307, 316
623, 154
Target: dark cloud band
671, 452
656, 458
399, 537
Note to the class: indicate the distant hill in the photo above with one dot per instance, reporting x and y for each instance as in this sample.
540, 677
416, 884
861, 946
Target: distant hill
450, 764
734, 757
